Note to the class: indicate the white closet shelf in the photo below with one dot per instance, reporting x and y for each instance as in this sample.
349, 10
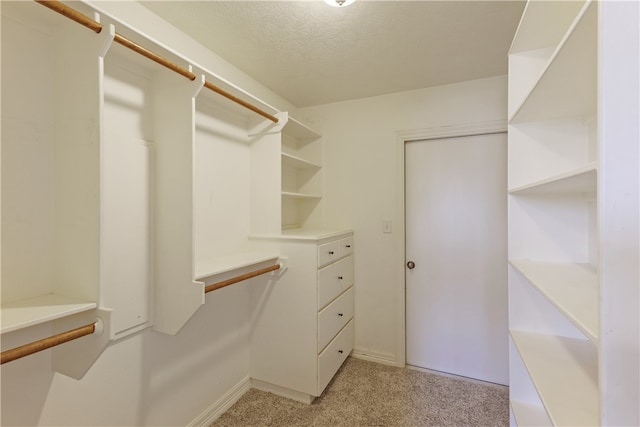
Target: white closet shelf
528, 35
297, 162
232, 262
579, 180
527, 414
564, 372
300, 131
33, 311
300, 195
571, 288
554, 95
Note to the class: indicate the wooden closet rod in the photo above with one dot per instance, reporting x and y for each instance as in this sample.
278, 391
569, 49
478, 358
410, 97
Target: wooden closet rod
73, 14
240, 278
45, 343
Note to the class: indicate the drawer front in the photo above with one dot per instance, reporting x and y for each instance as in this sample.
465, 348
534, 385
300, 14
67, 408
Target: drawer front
333, 280
327, 253
345, 246
330, 360
334, 317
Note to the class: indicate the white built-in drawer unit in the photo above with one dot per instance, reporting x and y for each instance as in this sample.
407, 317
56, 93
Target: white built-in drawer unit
305, 327
335, 307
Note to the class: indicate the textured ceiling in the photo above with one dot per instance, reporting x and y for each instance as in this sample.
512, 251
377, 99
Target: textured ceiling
310, 53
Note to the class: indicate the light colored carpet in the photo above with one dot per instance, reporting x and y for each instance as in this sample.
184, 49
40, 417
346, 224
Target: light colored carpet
370, 394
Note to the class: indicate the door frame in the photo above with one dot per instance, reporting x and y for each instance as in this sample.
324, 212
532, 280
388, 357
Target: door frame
402, 137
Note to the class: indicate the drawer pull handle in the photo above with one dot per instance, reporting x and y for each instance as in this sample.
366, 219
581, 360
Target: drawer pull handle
340, 351
340, 314
330, 252
348, 246
340, 277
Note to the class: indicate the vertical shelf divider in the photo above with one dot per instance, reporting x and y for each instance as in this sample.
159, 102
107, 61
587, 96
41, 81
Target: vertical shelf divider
79, 70
265, 140
177, 295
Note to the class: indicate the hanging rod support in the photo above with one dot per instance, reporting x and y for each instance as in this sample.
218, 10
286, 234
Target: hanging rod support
72, 14
78, 17
240, 278
45, 343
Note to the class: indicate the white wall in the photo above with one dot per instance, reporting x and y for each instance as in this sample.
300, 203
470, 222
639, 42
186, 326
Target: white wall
362, 169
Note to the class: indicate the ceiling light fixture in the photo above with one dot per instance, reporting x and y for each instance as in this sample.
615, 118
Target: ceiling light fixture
339, 3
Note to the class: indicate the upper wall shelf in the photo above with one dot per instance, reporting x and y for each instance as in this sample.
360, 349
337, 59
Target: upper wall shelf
567, 85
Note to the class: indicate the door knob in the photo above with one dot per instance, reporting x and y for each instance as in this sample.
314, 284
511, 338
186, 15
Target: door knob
411, 265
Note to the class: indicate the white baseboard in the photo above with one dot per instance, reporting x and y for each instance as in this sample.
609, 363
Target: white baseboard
374, 356
282, 391
218, 408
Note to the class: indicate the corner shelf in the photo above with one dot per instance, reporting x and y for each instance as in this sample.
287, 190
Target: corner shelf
22, 314
564, 371
571, 288
579, 180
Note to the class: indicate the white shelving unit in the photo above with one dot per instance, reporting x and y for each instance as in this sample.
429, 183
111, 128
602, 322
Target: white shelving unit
566, 306
51, 162
302, 183
217, 179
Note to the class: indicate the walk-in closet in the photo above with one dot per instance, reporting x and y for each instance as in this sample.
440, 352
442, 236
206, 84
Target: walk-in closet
177, 230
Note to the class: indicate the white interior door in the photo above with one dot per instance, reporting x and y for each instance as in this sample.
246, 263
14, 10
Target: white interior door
456, 238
